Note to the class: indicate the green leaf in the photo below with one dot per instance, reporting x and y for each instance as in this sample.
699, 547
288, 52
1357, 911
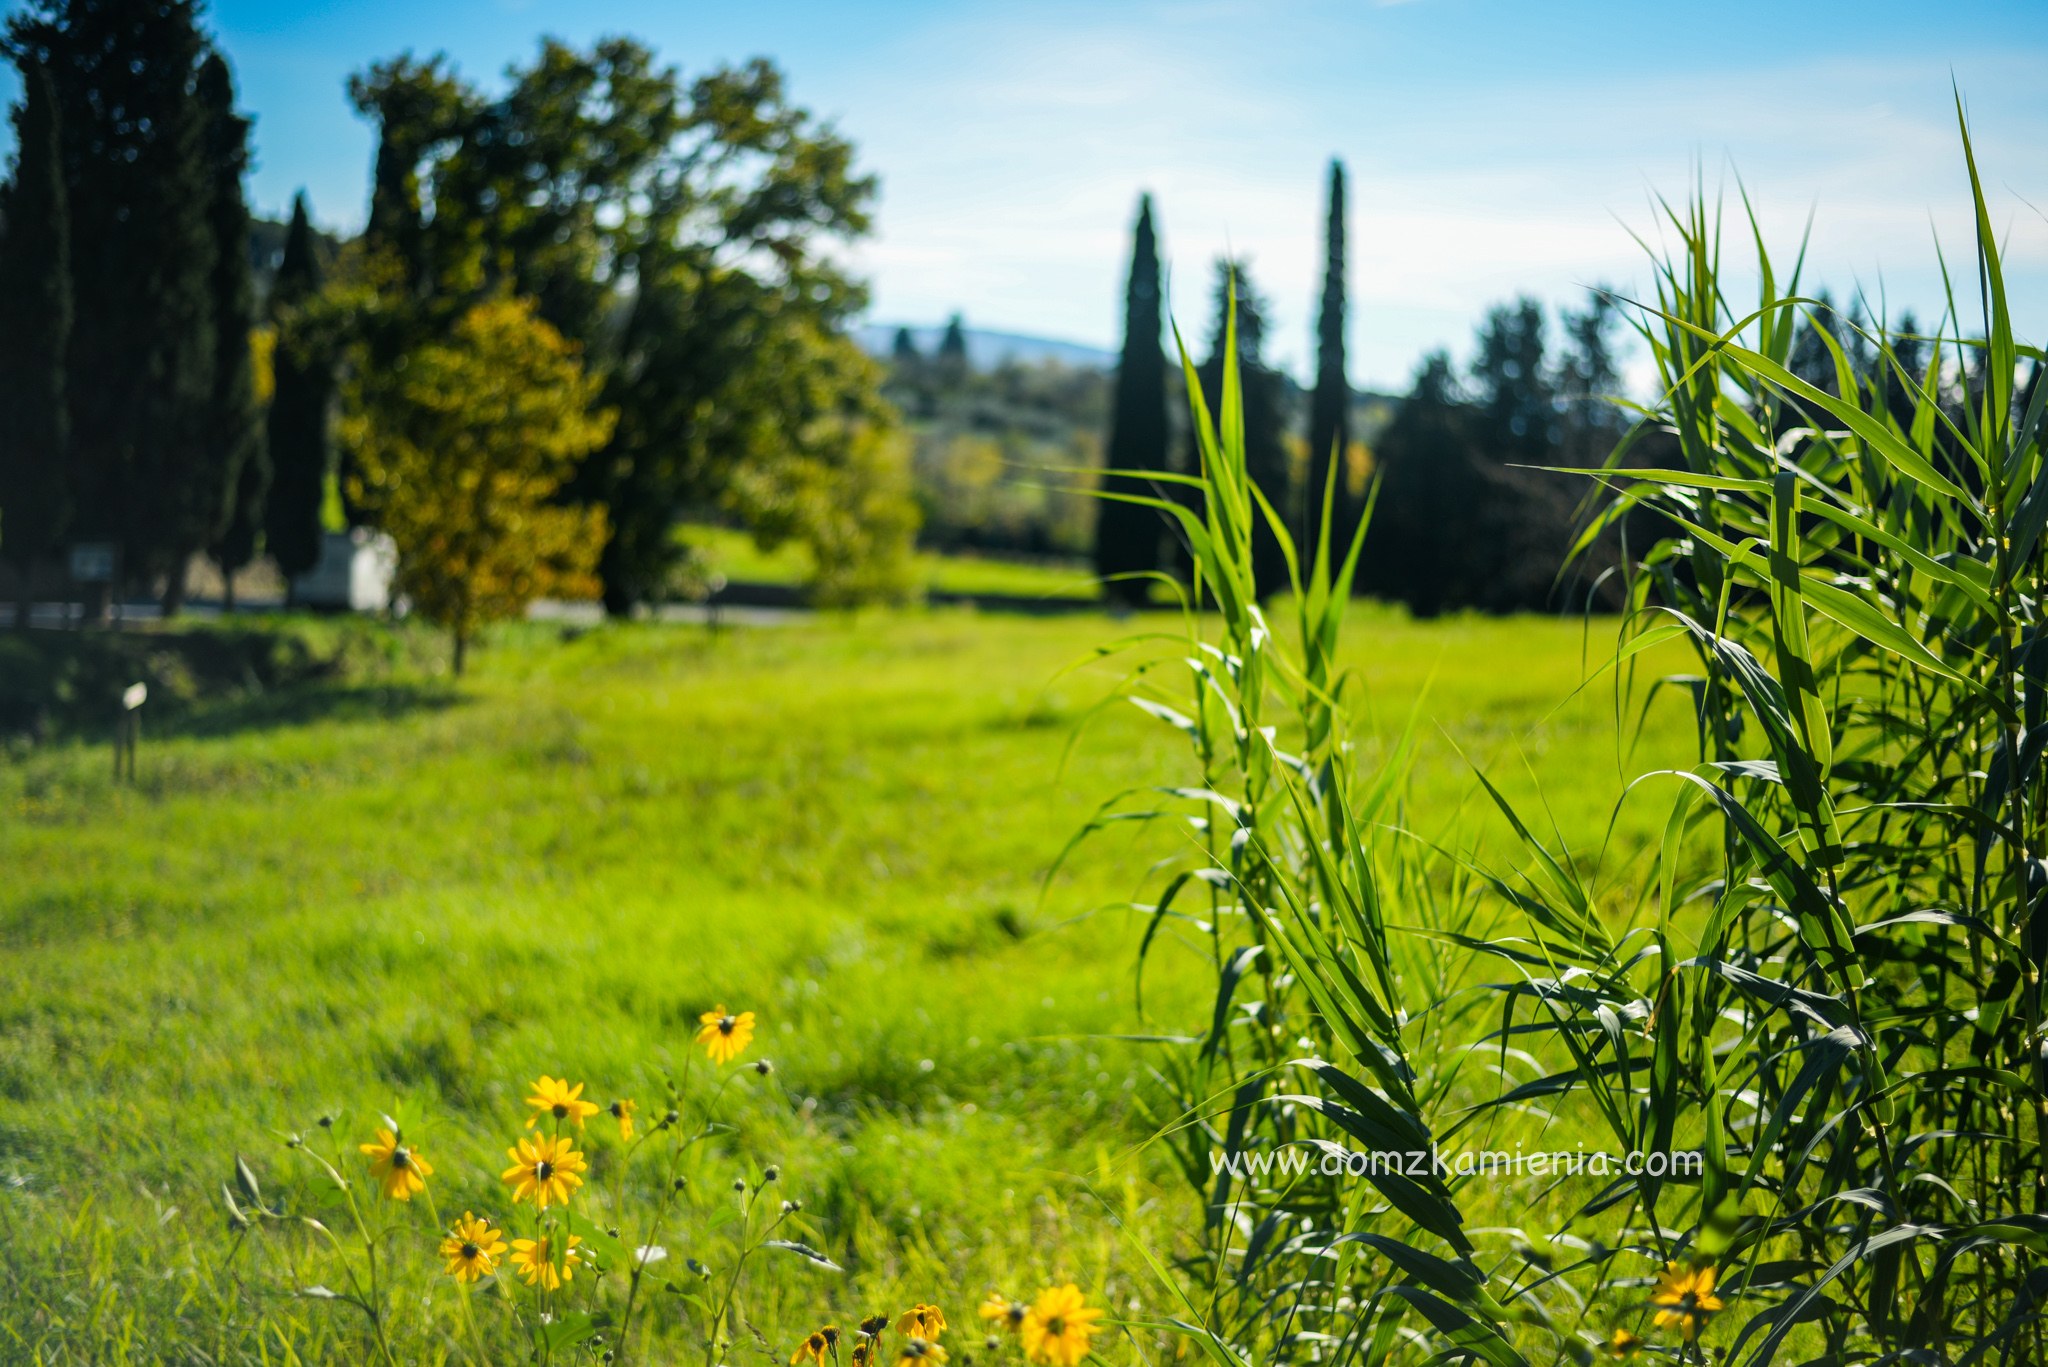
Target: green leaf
804, 1251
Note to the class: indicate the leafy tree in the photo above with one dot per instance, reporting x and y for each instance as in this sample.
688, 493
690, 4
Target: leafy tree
142, 355
299, 422
35, 330
1329, 426
1129, 538
418, 106
1432, 484
829, 469
1465, 519
460, 454
669, 230
235, 442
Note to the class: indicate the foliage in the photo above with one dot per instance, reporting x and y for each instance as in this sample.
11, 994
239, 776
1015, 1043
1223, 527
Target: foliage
816, 458
1129, 537
993, 452
1329, 422
595, 1255
1470, 515
300, 415
1818, 1001
343, 884
35, 333
679, 234
1271, 459
143, 350
460, 452
235, 434
1851, 984
1322, 1020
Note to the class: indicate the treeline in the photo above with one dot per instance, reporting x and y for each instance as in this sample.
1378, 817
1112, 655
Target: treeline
1299, 466
129, 406
1470, 513
1463, 515
662, 250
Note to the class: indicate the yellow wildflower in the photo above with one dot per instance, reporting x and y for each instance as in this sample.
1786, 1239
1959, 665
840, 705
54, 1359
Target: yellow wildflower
1685, 1298
398, 1169
1057, 1329
1000, 1308
923, 1321
555, 1097
814, 1348
622, 1111
472, 1248
544, 1170
535, 1259
1622, 1344
724, 1035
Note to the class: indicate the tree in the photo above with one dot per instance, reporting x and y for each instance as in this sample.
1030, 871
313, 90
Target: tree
1512, 388
1432, 476
953, 365
831, 470
35, 330
1465, 518
1329, 427
299, 422
460, 455
669, 230
235, 442
140, 368
903, 351
1128, 537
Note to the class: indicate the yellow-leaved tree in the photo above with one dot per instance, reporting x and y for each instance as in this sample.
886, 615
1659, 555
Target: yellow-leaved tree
459, 452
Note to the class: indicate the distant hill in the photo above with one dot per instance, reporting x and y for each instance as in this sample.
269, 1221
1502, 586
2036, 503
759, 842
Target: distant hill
987, 350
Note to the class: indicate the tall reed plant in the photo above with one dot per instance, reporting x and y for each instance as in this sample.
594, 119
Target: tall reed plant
1828, 990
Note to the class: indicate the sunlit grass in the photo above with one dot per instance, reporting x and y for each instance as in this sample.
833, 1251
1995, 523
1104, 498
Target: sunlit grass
841, 823
732, 553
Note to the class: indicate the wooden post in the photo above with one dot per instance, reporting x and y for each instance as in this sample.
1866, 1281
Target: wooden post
128, 730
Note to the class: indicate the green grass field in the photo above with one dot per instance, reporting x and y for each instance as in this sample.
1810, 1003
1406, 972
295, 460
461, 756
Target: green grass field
369, 888
732, 553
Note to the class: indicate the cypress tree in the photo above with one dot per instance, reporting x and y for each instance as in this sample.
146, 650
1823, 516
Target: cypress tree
235, 427
142, 343
952, 360
35, 331
1128, 538
1329, 431
300, 436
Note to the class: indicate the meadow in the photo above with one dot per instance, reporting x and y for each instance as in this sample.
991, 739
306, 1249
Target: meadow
362, 888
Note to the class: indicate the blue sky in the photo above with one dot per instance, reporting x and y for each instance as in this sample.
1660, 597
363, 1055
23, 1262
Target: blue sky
1495, 146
